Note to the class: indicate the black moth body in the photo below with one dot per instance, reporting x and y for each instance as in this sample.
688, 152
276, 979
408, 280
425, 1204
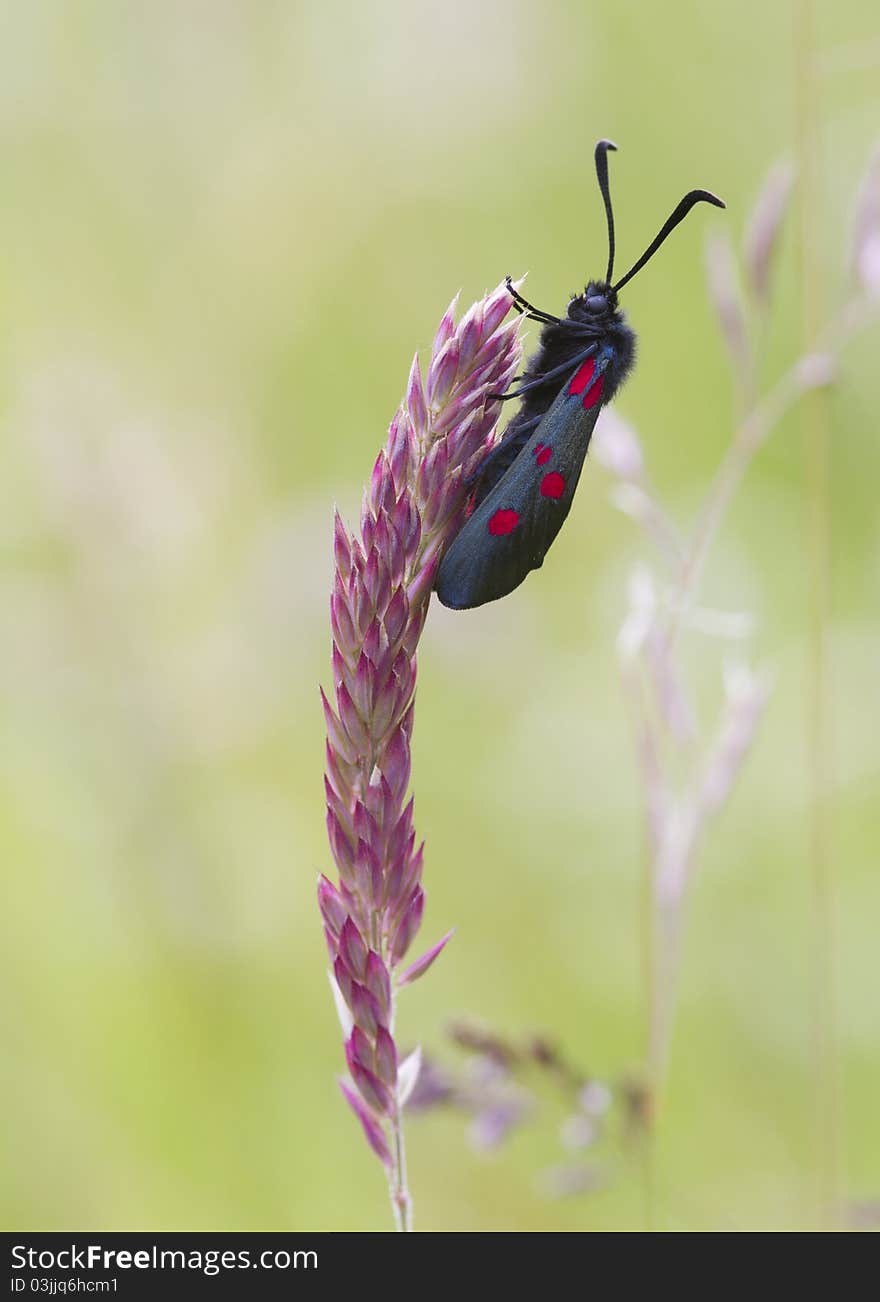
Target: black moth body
526, 483
561, 349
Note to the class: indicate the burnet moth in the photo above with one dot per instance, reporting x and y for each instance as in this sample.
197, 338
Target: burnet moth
525, 485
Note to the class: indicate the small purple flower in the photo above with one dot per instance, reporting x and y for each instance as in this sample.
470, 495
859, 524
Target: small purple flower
763, 229
746, 696
578, 1131
723, 281
595, 1098
492, 1125
616, 447
421, 965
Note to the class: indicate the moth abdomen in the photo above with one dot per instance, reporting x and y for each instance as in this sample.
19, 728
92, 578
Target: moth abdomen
514, 525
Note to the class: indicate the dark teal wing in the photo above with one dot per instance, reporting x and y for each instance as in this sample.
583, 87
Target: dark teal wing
514, 527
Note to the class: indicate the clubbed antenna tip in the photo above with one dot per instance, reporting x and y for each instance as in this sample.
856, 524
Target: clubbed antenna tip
678, 215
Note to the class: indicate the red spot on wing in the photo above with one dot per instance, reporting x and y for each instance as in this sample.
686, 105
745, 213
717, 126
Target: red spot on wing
593, 394
552, 485
583, 377
503, 521
544, 455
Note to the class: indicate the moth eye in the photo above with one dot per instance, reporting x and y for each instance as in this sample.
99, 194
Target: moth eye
597, 302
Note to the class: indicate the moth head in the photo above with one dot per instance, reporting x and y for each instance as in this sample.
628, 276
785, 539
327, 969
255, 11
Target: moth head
596, 306
599, 300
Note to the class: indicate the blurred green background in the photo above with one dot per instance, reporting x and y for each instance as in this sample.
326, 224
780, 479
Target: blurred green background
225, 228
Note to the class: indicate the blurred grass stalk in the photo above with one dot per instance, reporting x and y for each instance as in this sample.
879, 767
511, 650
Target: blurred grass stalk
412, 505
676, 811
819, 728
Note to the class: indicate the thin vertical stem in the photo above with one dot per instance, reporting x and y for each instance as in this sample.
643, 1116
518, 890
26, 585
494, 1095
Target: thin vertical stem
649, 986
401, 1202
652, 796
824, 1023
398, 1184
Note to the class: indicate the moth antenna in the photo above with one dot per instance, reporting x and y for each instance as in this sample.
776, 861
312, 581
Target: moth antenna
602, 174
684, 207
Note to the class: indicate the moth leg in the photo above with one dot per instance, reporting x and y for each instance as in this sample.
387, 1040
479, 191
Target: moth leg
523, 305
548, 375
